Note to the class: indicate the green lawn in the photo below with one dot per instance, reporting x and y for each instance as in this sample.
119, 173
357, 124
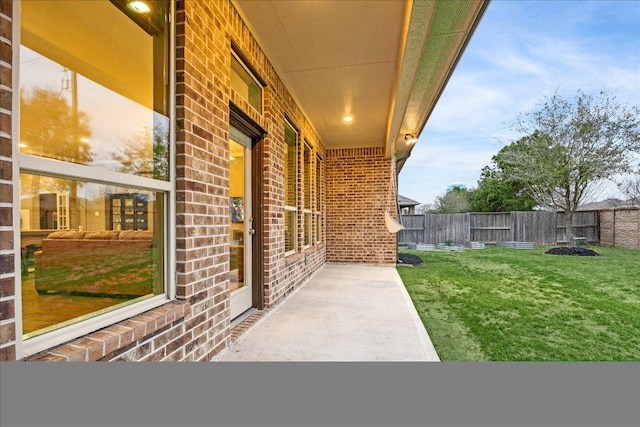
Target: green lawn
523, 305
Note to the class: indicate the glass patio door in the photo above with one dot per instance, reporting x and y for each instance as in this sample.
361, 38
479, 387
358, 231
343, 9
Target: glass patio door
240, 222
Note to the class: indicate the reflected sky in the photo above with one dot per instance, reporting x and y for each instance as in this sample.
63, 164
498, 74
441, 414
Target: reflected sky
113, 119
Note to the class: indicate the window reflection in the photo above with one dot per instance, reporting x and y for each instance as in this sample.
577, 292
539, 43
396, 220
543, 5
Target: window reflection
318, 200
306, 158
237, 191
245, 84
95, 94
93, 250
94, 85
290, 188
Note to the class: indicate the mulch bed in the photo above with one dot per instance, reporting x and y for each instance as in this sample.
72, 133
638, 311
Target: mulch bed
408, 259
572, 251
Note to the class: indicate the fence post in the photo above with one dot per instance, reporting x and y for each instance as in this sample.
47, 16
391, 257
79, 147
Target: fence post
424, 227
467, 236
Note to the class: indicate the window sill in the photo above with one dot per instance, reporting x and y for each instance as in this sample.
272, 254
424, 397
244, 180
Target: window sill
108, 341
292, 258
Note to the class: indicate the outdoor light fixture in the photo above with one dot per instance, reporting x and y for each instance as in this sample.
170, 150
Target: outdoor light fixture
139, 6
410, 138
347, 119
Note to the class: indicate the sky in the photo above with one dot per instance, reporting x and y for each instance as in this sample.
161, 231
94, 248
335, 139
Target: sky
521, 52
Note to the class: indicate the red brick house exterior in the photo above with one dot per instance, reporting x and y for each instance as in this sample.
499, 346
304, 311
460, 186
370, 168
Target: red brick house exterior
190, 320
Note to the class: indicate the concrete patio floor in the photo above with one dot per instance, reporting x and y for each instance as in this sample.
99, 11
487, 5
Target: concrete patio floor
342, 313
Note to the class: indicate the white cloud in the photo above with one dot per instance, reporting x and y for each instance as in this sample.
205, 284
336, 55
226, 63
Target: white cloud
520, 53
470, 103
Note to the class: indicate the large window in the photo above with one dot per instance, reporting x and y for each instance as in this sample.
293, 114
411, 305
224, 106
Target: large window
94, 159
246, 84
308, 197
319, 201
108, 256
290, 188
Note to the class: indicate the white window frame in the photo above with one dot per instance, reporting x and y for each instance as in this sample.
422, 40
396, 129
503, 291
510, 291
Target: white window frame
254, 78
24, 163
62, 210
288, 208
307, 178
318, 201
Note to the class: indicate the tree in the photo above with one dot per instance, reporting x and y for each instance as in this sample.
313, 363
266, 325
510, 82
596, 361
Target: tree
497, 192
424, 208
455, 200
630, 187
570, 145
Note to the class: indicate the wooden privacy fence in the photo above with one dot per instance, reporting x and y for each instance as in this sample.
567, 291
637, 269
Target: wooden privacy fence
541, 227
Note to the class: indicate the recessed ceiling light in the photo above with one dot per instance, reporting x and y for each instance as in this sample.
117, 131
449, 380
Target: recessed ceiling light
347, 119
139, 6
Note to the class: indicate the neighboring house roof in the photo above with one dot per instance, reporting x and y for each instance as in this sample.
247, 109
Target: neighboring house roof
405, 201
384, 63
605, 204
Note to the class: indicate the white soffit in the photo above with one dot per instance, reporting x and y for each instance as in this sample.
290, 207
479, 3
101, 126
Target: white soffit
336, 58
436, 38
342, 58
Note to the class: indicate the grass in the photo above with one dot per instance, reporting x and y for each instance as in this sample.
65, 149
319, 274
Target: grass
101, 272
523, 305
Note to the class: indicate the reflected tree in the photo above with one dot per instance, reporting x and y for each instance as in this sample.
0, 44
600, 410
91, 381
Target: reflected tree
147, 154
51, 127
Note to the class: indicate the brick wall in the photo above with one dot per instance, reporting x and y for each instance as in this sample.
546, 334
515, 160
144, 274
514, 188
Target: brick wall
205, 32
620, 227
202, 174
197, 326
357, 197
159, 334
7, 253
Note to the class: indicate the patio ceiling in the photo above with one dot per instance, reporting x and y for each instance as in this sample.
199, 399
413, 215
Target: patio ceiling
382, 62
